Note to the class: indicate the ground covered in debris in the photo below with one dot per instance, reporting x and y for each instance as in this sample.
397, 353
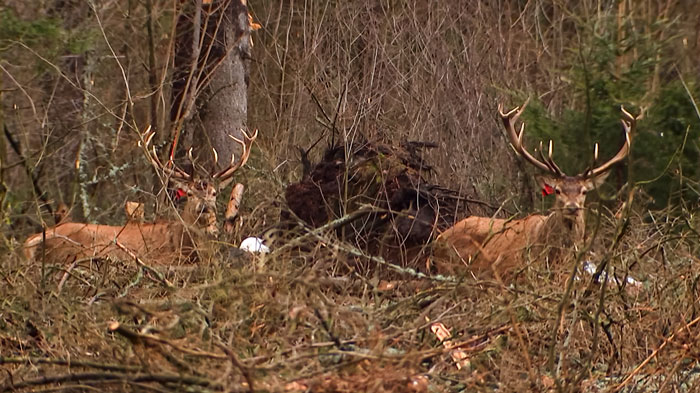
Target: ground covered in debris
345, 300
300, 319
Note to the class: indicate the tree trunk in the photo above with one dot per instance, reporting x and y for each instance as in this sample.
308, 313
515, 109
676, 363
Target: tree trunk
210, 84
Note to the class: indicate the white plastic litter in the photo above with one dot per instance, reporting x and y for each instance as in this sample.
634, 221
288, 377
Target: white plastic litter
254, 245
590, 268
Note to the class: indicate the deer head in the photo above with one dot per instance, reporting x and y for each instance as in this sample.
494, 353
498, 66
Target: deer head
570, 190
201, 189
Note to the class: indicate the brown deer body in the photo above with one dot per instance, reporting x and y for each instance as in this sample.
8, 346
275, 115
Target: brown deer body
486, 246
159, 242
70, 241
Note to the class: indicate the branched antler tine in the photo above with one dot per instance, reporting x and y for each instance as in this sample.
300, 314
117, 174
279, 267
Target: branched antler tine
216, 161
590, 168
629, 123
552, 167
516, 139
246, 145
174, 170
167, 169
550, 160
150, 150
251, 138
147, 136
233, 167
628, 116
520, 136
540, 151
170, 168
152, 155
595, 153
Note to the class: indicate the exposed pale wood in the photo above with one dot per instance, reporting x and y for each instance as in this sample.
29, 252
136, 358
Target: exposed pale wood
234, 203
134, 211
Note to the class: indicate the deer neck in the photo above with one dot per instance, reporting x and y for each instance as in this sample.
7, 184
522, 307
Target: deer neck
200, 217
563, 229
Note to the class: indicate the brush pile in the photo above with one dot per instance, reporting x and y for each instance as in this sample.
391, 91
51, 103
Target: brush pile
387, 192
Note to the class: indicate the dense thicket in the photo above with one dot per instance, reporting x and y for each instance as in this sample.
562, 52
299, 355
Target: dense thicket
79, 80
76, 88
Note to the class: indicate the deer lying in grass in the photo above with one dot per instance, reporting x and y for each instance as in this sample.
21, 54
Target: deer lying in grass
159, 242
487, 246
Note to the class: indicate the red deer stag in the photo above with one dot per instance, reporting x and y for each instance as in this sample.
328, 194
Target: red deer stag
486, 246
159, 242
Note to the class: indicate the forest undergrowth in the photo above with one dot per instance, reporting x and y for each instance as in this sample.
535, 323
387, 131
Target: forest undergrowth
299, 319
321, 312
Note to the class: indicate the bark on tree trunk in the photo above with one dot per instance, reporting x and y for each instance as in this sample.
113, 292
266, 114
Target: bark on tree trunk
210, 99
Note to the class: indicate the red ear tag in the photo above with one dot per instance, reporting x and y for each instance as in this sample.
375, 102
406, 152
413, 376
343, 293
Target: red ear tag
179, 193
547, 190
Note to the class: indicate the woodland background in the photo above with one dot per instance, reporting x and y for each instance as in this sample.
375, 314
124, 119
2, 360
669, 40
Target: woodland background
386, 71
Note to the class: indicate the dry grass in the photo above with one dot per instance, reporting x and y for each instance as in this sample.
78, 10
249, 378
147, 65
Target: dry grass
303, 318
285, 322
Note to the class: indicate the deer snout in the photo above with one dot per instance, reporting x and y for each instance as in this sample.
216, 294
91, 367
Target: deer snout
571, 208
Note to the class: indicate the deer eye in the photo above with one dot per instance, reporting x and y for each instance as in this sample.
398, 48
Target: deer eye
558, 191
584, 192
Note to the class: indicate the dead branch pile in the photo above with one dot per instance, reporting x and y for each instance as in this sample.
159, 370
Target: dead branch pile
407, 210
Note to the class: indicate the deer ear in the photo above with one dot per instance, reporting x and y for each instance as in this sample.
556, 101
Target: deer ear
546, 181
597, 181
547, 184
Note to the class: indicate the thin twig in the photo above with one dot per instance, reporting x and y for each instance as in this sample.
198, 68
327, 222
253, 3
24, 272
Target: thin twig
96, 377
237, 363
161, 278
653, 354
134, 336
29, 360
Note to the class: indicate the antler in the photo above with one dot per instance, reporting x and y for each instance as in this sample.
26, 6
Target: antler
246, 145
173, 171
516, 140
629, 123
170, 169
